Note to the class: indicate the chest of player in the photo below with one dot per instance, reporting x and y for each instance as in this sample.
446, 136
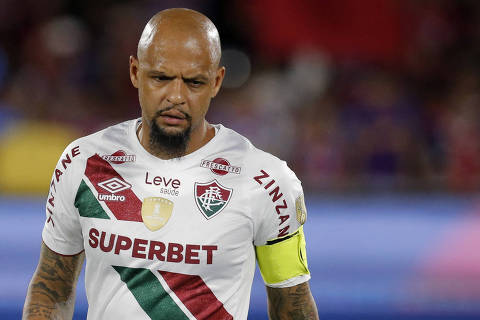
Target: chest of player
164, 217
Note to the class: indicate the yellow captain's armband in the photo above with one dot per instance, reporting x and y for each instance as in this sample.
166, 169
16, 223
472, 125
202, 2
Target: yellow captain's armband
283, 258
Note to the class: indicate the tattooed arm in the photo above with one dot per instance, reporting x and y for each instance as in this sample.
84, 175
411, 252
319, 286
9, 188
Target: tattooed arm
293, 303
51, 293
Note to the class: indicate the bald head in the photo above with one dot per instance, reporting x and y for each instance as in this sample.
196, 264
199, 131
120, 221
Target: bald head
177, 74
181, 27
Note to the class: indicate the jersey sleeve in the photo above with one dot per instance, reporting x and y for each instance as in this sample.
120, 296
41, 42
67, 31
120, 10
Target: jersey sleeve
278, 237
62, 231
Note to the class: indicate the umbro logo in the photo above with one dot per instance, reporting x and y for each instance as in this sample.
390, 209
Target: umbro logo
113, 186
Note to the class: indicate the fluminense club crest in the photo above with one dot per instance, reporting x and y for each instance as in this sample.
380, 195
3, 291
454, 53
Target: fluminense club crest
211, 198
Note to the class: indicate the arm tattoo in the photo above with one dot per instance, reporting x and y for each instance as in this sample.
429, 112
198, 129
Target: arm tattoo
51, 294
293, 303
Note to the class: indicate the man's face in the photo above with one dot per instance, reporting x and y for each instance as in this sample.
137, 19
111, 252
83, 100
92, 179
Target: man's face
176, 79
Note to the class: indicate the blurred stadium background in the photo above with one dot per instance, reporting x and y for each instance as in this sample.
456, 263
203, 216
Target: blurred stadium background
374, 104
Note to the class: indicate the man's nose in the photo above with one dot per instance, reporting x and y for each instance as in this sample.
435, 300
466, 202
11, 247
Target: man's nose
176, 94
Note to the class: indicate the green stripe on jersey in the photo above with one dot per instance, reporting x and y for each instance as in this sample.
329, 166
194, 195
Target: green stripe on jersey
150, 294
87, 204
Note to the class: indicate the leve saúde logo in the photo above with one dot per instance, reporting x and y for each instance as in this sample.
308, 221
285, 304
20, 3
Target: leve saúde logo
211, 198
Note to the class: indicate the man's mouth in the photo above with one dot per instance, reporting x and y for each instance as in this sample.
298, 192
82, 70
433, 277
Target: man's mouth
173, 117
172, 113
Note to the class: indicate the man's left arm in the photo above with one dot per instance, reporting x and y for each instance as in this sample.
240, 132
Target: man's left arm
279, 241
291, 303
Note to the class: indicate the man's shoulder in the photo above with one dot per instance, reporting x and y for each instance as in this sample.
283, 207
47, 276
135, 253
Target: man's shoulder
256, 160
116, 134
274, 194
235, 141
110, 141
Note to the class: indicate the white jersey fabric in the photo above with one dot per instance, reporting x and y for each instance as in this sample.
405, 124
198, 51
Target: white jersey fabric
169, 239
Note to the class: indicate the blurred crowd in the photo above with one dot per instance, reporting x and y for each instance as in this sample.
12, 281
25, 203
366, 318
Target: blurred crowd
355, 95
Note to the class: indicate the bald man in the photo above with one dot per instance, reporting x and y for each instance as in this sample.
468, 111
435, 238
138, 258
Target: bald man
172, 212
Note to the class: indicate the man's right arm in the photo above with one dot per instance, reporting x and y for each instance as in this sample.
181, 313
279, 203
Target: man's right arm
51, 293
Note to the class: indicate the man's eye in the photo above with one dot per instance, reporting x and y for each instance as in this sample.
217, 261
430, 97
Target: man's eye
195, 83
161, 78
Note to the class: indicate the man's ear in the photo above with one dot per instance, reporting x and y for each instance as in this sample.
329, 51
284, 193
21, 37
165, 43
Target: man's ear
134, 71
218, 81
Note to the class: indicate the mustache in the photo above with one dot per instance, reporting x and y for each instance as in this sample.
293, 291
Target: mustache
159, 112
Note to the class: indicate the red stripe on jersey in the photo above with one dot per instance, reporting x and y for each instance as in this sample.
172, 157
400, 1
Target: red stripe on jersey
196, 296
98, 171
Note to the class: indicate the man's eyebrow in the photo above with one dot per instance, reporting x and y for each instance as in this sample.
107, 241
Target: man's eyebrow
158, 73
200, 77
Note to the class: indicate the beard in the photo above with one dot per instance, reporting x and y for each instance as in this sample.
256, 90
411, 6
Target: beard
172, 145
